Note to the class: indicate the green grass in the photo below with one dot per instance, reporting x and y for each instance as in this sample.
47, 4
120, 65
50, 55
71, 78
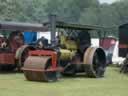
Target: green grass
113, 84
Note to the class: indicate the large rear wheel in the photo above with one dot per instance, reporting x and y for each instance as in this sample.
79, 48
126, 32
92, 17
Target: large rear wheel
95, 62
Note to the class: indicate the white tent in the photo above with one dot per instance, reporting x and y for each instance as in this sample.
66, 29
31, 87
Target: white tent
115, 58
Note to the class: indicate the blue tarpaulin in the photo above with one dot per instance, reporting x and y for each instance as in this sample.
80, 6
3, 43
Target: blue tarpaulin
30, 37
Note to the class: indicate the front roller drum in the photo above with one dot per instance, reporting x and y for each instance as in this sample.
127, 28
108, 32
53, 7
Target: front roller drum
39, 68
94, 62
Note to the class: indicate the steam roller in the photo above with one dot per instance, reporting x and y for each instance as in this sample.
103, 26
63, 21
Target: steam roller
69, 53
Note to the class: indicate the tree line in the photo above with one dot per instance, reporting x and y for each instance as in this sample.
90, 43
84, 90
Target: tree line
89, 12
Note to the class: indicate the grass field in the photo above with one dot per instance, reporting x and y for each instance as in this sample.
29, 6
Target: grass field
113, 84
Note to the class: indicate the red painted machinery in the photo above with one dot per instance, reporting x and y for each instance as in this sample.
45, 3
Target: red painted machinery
13, 52
8, 50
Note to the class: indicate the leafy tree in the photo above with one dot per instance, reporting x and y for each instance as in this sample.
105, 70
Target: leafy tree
70, 8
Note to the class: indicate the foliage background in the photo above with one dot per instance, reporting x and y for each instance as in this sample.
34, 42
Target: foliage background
89, 12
